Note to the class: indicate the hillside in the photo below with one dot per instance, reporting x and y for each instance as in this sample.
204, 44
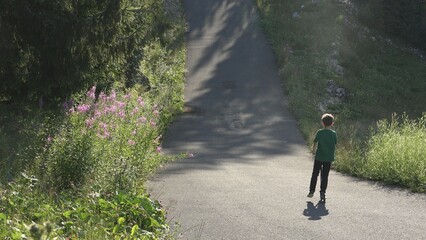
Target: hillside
331, 62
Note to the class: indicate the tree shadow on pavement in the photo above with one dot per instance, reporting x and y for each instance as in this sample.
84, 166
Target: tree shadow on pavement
315, 212
236, 109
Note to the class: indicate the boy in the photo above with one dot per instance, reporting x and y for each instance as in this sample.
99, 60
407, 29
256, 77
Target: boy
324, 146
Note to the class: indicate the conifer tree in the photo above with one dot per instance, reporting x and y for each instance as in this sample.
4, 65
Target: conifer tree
51, 49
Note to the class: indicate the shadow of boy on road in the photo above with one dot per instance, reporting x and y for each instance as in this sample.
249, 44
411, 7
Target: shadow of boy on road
315, 212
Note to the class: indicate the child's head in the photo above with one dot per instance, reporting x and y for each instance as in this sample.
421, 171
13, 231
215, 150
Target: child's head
327, 120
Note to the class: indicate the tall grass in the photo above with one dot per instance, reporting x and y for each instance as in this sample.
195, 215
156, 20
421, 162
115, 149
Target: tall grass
396, 153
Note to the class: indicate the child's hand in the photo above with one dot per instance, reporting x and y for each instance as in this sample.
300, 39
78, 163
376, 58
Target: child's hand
314, 148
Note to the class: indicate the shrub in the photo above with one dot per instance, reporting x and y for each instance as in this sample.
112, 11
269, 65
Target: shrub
165, 73
26, 212
68, 159
396, 152
112, 141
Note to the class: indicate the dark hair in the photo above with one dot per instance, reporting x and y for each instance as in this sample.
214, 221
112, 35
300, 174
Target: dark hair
327, 119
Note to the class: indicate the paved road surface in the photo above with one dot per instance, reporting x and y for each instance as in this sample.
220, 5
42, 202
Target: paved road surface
250, 174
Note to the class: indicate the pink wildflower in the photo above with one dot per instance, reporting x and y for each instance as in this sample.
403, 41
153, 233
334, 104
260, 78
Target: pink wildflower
104, 134
111, 109
134, 132
156, 112
89, 122
103, 126
121, 104
141, 102
127, 96
49, 139
152, 122
67, 105
135, 110
122, 114
112, 96
83, 108
97, 113
131, 142
103, 96
190, 155
158, 149
142, 119
91, 93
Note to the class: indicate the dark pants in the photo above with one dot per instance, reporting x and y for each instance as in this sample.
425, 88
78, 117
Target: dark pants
324, 167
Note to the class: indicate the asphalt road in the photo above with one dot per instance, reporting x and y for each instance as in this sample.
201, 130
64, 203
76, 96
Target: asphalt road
250, 172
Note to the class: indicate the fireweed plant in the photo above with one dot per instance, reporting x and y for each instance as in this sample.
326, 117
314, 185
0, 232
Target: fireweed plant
109, 142
87, 181
93, 166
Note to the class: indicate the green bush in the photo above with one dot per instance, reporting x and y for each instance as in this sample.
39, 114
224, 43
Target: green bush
165, 73
26, 212
111, 141
68, 159
396, 153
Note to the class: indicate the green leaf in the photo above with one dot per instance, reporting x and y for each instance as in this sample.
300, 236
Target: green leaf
84, 216
116, 229
67, 214
154, 223
2, 216
103, 203
17, 235
121, 220
12, 203
135, 228
147, 205
38, 215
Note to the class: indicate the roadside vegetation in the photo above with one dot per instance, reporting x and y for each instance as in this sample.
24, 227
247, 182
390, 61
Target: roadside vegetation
78, 145
338, 57
88, 88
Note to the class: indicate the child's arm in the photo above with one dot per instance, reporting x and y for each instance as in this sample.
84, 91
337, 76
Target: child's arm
314, 148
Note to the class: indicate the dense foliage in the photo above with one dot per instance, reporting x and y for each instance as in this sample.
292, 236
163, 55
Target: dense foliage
26, 214
51, 49
78, 172
404, 19
111, 142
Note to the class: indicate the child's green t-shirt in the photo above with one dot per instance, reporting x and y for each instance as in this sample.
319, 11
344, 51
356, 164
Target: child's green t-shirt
327, 140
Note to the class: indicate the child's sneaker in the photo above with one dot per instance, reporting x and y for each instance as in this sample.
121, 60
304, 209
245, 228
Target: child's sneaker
310, 194
322, 197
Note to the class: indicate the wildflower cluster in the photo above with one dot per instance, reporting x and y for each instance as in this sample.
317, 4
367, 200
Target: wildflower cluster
120, 137
112, 114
